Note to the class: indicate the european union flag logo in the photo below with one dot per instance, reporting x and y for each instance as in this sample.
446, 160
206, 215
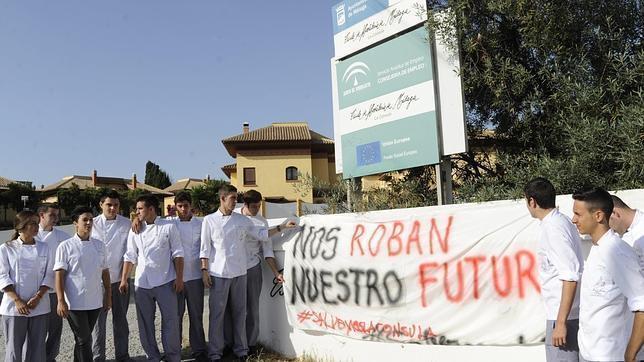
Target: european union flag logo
368, 153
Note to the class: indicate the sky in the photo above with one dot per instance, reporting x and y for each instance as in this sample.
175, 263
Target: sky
109, 85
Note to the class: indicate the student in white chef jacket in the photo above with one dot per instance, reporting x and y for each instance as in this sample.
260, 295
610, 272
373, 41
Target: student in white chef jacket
82, 282
112, 229
47, 233
223, 263
257, 250
189, 228
25, 278
154, 250
629, 224
612, 286
560, 267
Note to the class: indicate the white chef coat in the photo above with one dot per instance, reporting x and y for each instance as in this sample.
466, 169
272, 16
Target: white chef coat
83, 262
113, 233
53, 238
634, 236
27, 268
256, 249
190, 232
224, 240
612, 287
560, 259
153, 250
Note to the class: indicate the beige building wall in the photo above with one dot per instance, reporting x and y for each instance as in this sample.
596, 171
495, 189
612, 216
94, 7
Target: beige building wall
332, 175
270, 174
321, 168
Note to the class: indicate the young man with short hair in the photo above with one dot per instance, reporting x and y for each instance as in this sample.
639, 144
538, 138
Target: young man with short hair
224, 235
49, 215
560, 267
257, 250
154, 250
112, 229
193, 290
629, 224
612, 287
82, 282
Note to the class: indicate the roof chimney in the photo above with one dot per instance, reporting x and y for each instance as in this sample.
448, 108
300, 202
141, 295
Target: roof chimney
94, 178
246, 127
134, 181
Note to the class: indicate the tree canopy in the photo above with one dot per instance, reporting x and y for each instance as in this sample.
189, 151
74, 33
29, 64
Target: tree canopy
155, 176
561, 85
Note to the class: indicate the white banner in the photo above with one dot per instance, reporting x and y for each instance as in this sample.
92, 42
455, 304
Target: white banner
455, 274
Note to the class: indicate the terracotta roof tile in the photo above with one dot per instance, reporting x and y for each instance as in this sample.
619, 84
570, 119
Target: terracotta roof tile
286, 131
228, 169
184, 184
84, 182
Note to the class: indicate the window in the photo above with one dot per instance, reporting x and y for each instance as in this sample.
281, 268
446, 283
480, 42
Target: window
249, 176
291, 173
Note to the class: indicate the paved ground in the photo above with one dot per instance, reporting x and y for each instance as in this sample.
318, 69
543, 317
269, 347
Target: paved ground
136, 352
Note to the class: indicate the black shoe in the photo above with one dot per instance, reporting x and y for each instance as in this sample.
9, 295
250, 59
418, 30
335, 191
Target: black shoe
227, 351
255, 351
200, 357
241, 358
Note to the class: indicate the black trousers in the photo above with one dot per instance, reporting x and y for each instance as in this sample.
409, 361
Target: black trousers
82, 323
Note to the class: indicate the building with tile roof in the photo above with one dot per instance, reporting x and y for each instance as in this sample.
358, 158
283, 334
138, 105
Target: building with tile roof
175, 188
272, 159
185, 184
49, 193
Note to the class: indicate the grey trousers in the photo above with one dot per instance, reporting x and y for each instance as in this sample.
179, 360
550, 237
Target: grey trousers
120, 328
193, 295
25, 331
581, 359
253, 290
568, 353
54, 330
146, 301
227, 292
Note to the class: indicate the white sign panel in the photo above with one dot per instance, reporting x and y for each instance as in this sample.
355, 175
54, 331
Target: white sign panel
387, 21
450, 90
